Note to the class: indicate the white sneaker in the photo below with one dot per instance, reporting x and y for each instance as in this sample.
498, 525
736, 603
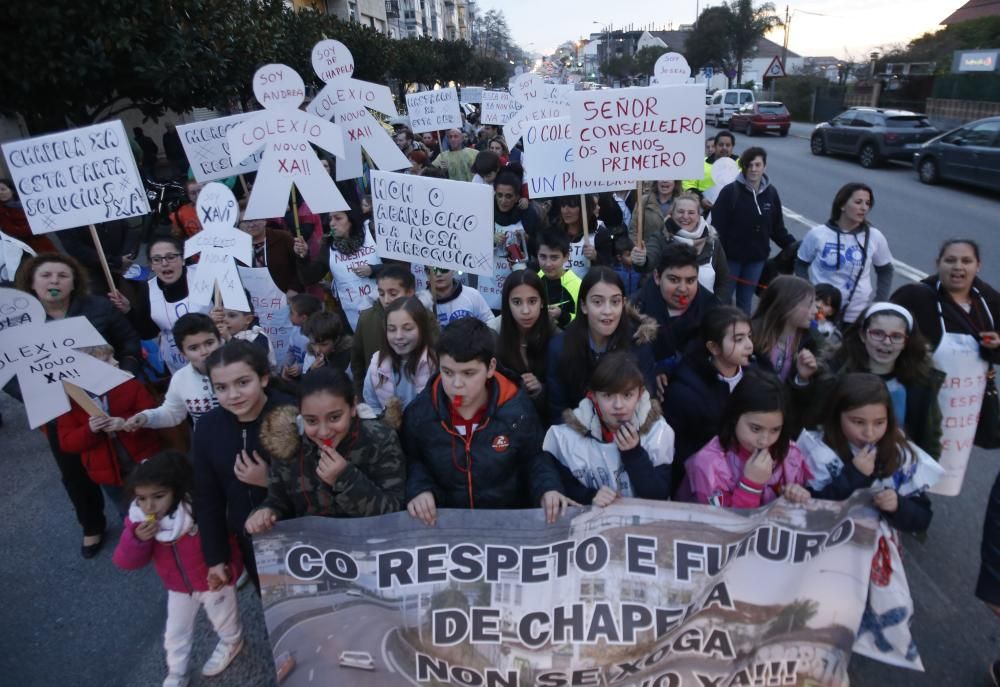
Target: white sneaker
221, 657
174, 680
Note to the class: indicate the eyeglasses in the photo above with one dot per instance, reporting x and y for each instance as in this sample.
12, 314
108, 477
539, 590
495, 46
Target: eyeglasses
440, 270
160, 259
879, 336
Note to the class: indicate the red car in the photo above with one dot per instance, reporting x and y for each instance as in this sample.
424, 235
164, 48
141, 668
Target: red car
761, 117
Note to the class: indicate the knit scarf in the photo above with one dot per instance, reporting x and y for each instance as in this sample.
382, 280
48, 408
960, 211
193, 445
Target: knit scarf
347, 245
172, 527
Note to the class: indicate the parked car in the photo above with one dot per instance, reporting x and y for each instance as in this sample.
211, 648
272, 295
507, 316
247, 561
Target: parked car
356, 659
970, 153
874, 135
761, 117
724, 103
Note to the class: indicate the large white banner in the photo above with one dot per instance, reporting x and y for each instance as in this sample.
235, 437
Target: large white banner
498, 107
472, 95
434, 222
207, 150
433, 110
645, 134
550, 162
76, 177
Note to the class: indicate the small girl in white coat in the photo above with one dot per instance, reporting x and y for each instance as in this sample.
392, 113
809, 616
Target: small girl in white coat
616, 442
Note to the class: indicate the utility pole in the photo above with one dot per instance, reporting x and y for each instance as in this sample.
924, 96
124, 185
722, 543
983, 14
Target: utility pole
784, 46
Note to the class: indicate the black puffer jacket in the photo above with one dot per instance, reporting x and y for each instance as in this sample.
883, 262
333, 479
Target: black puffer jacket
501, 466
988, 587
693, 405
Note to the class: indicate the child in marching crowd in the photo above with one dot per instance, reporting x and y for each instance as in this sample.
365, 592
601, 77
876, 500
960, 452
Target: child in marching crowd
345, 466
453, 300
160, 528
404, 364
753, 460
190, 392
300, 308
828, 300
108, 454
562, 286
623, 265
329, 342
616, 442
394, 281
244, 326
862, 447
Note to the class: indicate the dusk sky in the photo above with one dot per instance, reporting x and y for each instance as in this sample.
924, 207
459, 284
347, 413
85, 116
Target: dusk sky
850, 28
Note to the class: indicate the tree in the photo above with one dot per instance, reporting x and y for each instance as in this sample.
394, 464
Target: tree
708, 45
792, 617
620, 66
939, 47
749, 25
646, 59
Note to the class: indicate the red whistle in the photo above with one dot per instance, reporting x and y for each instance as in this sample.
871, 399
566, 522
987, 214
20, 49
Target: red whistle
327, 442
682, 300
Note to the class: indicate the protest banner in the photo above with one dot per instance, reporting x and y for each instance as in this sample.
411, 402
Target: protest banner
550, 162
724, 172
638, 133
287, 135
960, 400
638, 593
270, 305
532, 95
13, 251
434, 222
219, 243
42, 355
207, 149
471, 95
671, 68
435, 110
498, 107
346, 100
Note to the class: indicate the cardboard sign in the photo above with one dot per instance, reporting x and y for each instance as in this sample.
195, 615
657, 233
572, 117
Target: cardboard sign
670, 69
472, 95
346, 100
270, 305
550, 162
218, 243
207, 149
532, 94
76, 177
640, 133
287, 135
433, 110
434, 222
12, 252
498, 107
43, 356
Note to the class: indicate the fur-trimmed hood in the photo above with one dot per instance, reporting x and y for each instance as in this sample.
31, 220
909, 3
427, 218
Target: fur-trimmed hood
281, 431
584, 419
645, 326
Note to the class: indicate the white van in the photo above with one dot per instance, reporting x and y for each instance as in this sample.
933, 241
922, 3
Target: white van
724, 103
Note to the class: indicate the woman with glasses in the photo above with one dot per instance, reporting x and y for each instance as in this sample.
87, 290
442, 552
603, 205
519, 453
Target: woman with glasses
887, 342
156, 305
958, 313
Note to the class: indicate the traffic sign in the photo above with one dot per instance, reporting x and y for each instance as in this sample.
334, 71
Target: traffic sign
708, 72
775, 69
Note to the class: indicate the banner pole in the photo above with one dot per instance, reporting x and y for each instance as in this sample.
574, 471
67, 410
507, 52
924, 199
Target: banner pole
104, 260
243, 183
83, 400
295, 213
584, 218
638, 208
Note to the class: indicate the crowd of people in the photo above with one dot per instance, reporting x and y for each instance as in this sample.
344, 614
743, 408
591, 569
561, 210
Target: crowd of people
595, 364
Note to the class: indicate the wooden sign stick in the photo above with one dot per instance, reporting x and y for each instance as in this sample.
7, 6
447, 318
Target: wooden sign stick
295, 214
639, 209
217, 297
84, 400
100, 256
243, 183
584, 218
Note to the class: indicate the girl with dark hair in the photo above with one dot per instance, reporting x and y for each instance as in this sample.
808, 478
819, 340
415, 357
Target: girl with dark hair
404, 363
703, 381
861, 446
346, 465
525, 332
959, 314
843, 252
753, 460
348, 254
230, 475
887, 342
160, 527
604, 323
783, 341
157, 304
616, 442
598, 249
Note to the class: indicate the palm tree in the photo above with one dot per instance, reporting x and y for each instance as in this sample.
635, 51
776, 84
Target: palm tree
749, 26
794, 616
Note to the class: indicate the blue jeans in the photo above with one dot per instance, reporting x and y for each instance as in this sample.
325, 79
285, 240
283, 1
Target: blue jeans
746, 275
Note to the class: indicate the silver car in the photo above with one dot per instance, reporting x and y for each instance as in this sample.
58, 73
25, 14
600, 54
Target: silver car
970, 154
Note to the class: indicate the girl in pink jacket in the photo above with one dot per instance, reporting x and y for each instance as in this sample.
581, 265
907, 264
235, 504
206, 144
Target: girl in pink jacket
753, 460
160, 528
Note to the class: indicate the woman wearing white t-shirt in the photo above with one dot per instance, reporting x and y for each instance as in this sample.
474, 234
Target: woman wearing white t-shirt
843, 251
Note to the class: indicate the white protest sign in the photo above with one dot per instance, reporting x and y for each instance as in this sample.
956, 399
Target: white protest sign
642, 134
550, 162
13, 251
270, 305
207, 150
433, 110
287, 134
434, 222
532, 95
498, 107
670, 69
472, 95
557, 93
76, 177
724, 172
219, 243
346, 100
42, 356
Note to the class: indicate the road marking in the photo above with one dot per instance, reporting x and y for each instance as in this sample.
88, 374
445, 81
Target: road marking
390, 661
385, 651
901, 268
311, 671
